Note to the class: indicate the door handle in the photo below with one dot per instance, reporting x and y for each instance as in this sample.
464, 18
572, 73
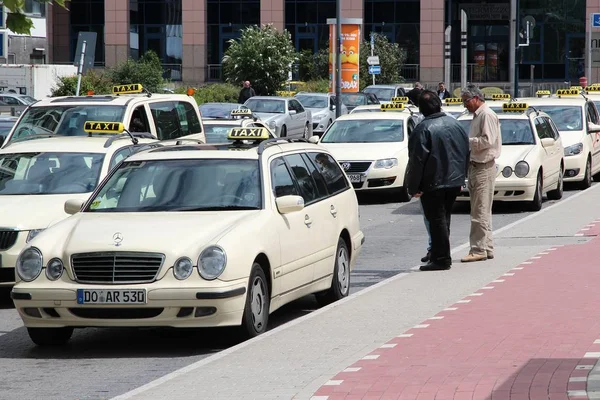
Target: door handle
333, 211
307, 220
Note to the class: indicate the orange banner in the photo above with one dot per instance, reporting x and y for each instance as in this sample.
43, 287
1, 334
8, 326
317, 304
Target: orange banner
350, 57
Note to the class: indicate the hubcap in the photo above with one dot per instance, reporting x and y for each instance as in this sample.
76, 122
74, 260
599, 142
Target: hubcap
343, 270
257, 304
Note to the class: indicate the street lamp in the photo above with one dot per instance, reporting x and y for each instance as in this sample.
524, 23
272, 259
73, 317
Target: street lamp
338, 59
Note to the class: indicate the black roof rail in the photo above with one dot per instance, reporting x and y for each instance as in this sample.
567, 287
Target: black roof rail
129, 135
264, 144
67, 99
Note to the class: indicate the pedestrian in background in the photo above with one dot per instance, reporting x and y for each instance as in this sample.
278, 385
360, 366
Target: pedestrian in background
438, 153
485, 141
246, 93
443, 92
414, 93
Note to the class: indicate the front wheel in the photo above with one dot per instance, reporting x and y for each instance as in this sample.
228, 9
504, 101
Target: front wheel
536, 203
340, 282
50, 336
258, 300
557, 193
587, 179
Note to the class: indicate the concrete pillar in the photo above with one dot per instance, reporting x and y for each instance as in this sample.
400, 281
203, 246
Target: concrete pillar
273, 12
58, 30
116, 32
592, 6
194, 41
352, 9
431, 44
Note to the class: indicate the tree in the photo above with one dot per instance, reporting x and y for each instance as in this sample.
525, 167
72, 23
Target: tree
147, 70
314, 66
262, 55
391, 58
17, 21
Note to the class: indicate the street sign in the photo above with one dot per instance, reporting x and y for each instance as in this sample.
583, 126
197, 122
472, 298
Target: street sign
373, 60
90, 50
531, 21
374, 69
596, 20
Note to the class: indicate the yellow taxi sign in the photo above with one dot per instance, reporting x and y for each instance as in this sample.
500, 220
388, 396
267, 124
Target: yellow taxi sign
576, 88
127, 89
402, 99
103, 127
501, 96
568, 92
248, 134
392, 107
239, 112
453, 100
543, 93
515, 107
592, 88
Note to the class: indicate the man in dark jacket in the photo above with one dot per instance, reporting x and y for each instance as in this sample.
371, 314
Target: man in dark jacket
246, 93
438, 156
414, 93
443, 92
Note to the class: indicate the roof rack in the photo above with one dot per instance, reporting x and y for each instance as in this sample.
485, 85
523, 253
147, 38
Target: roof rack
83, 99
264, 144
181, 140
129, 135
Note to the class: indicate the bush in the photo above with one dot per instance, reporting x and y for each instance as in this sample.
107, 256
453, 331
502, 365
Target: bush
320, 86
215, 93
313, 66
391, 58
147, 70
96, 81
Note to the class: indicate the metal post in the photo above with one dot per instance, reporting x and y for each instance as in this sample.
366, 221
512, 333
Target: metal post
80, 70
338, 59
588, 41
463, 48
447, 53
372, 51
517, 49
512, 44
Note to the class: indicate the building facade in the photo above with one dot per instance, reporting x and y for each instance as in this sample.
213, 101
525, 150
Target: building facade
191, 36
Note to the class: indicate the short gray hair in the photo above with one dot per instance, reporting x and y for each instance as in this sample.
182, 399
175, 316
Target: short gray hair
472, 91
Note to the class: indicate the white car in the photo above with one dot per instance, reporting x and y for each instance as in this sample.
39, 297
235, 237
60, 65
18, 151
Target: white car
285, 116
373, 148
454, 106
531, 163
322, 108
195, 235
216, 130
38, 176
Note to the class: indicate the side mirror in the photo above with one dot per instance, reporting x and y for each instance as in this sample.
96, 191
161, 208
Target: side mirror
332, 107
314, 139
292, 112
289, 204
73, 206
547, 142
593, 128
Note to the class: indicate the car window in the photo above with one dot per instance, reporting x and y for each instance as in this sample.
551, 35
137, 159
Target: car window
167, 120
312, 101
317, 177
139, 120
555, 131
566, 118
330, 170
308, 187
188, 118
543, 129
281, 180
295, 105
119, 156
384, 94
513, 131
267, 106
592, 113
10, 100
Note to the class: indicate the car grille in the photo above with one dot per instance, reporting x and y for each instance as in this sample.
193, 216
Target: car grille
8, 239
357, 166
116, 267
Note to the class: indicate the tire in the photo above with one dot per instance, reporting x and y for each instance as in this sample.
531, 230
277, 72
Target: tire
340, 282
306, 131
557, 193
587, 180
283, 131
403, 196
256, 311
536, 203
50, 336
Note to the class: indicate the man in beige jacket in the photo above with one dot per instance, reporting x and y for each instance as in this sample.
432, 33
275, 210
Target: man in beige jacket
485, 141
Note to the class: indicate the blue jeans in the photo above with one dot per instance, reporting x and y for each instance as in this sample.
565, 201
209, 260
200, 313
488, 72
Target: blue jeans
426, 226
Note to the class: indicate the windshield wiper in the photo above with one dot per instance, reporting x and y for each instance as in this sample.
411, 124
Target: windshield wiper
215, 208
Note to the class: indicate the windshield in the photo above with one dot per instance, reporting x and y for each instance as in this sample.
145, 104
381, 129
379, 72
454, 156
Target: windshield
353, 100
49, 173
64, 120
566, 118
513, 131
313, 101
181, 185
217, 133
28, 99
212, 110
383, 94
365, 131
266, 106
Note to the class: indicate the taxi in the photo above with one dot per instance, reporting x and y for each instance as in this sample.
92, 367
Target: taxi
593, 93
454, 106
38, 176
243, 229
216, 130
578, 122
373, 148
165, 116
531, 163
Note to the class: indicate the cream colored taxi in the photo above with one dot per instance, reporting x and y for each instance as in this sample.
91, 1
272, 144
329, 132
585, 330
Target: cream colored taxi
454, 106
531, 163
217, 129
195, 235
373, 148
38, 176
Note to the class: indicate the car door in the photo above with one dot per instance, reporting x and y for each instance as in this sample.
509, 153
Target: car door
560, 150
300, 118
548, 154
592, 117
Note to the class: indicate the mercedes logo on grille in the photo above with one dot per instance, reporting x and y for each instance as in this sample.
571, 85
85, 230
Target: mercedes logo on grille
118, 238
346, 166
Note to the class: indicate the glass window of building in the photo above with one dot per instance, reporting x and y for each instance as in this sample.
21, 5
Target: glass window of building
225, 19
87, 16
306, 20
34, 8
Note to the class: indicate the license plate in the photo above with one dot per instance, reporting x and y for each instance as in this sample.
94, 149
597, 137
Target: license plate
111, 296
355, 178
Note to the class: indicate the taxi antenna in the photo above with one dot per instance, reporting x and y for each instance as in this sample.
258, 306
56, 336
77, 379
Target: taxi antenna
134, 140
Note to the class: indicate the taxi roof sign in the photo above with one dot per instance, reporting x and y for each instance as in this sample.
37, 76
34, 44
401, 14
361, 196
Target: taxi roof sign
248, 134
238, 112
501, 96
576, 87
392, 107
515, 107
128, 89
103, 127
592, 88
568, 92
453, 100
543, 93
401, 99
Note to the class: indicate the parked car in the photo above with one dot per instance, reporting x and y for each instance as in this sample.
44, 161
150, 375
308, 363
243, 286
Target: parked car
322, 107
352, 100
385, 92
285, 116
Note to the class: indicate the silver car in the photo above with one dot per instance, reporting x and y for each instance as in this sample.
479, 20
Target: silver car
385, 92
322, 107
283, 115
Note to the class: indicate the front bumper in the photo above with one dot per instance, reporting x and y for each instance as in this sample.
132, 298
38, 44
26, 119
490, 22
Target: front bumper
507, 189
575, 167
377, 179
8, 259
169, 303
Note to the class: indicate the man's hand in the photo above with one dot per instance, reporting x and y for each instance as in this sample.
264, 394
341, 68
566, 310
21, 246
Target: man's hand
417, 195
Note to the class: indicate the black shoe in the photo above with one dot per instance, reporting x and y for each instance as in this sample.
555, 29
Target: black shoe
435, 267
426, 258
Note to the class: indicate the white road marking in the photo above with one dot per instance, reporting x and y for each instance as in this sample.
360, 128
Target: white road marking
437, 317
421, 326
463, 301
371, 357
476, 294
405, 335
498, 281
333, 383
451, 309
592, 354
487, 287
352, 369
388, 346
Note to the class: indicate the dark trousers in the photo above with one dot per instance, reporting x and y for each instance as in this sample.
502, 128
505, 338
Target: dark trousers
437, 205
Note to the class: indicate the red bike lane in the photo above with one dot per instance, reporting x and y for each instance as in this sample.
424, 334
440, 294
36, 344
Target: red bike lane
533, 333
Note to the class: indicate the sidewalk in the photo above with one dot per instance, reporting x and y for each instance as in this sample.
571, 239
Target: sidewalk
521, 326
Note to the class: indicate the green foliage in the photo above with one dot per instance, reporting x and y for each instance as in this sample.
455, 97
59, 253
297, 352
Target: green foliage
98, 82
314, 66
17, 21
391, 58
214, 92
147, 71
262, 55
318, 85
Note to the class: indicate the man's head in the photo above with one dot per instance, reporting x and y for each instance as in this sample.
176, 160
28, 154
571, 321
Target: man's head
441, 86
429, 103
418, 85
472, 97
246, 84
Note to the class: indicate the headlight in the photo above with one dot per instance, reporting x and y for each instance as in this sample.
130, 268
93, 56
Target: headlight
521, 169
211, 262
183, 268
318, 117
29, 264
54, 269
33, 233
386, 163
507, 172
574, 149
273, 125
